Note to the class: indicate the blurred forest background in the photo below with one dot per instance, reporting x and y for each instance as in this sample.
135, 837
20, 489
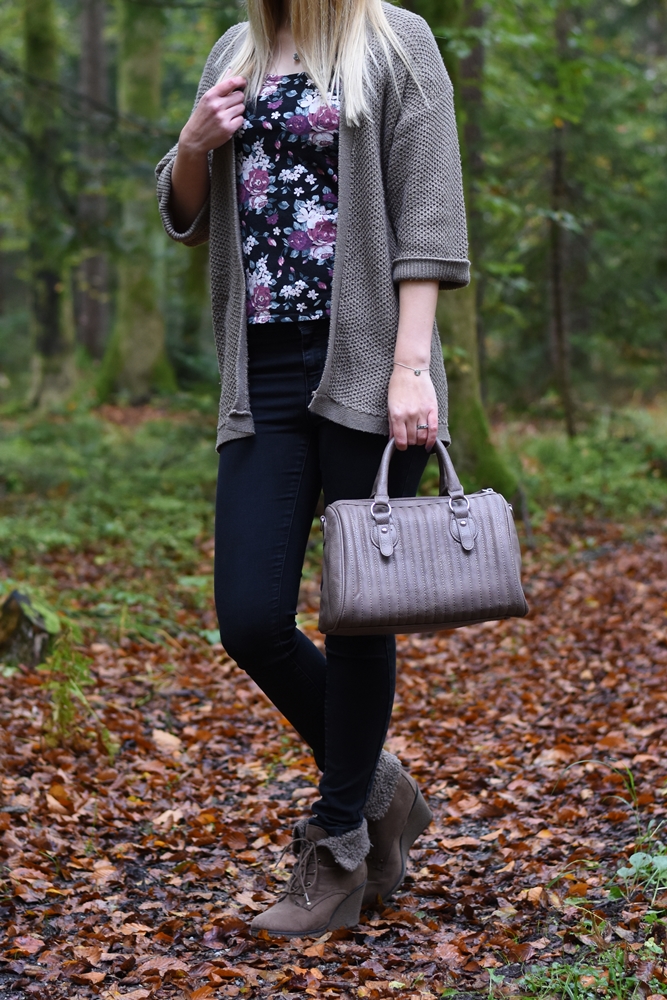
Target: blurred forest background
562, 108
563, 116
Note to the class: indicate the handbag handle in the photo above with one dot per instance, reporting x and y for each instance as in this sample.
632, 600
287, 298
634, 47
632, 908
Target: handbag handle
449, 481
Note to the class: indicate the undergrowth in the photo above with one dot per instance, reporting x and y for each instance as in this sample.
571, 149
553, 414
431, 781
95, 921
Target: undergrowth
615, 468
76, 481
66, 674
138, 500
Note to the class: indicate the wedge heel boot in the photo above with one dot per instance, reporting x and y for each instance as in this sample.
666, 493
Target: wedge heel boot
322, 895
392, 835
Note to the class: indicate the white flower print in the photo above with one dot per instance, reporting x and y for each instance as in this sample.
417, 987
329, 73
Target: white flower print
310, 179
312, 294
276, 114
257, 160
301, 306
298, 191
310, 212
248, 244
291, 175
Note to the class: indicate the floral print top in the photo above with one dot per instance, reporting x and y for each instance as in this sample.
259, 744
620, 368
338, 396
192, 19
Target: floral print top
287, 173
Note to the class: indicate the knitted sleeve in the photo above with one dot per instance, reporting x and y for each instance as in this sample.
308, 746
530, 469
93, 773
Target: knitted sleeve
198, 232
424, 182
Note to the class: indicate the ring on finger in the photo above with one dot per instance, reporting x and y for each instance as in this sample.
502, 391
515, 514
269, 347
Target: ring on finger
422, 427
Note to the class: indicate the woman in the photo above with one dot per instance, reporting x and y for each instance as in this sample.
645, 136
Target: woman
321, 161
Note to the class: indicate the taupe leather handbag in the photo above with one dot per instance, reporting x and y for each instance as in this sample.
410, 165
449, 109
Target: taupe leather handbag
419, 564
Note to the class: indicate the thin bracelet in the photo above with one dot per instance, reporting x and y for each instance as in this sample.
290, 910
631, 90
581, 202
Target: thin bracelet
415, 371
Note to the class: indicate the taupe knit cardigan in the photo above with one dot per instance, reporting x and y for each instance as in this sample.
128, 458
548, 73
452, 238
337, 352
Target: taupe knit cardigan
400, 216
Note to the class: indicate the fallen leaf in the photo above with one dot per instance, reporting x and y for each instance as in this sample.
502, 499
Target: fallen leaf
55, 807
93, 977
162, 964
166, 742
115, 994
92, 954
103, 871
27, 944
61, 796
168, 818
132, 928
315, 951
451, 843
450, 954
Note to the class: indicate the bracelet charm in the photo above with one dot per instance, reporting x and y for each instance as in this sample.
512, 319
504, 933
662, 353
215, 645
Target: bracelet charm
415, 371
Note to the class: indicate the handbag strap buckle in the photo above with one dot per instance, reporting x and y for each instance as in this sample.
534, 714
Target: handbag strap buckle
385, 515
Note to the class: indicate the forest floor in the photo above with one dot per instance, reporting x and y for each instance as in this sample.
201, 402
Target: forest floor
133, 870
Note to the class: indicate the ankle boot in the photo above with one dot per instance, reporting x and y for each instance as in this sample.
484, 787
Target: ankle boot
326, 887
397, 814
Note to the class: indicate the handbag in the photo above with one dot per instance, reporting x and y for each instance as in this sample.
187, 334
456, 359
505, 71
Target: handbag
419, 564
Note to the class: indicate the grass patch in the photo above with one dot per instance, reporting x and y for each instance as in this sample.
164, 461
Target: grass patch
80, 481
609, 974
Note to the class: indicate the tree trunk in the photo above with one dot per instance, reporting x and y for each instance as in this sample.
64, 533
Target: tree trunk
471, 77
559, 327
474, 451
135, 362
53, 371
91, 288
560, 332
476, 458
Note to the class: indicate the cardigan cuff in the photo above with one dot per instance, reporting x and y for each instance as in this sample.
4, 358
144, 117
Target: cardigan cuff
448, 273
199, 230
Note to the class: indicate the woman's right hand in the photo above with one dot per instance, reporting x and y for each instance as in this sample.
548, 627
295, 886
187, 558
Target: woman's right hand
218, 115
216, 118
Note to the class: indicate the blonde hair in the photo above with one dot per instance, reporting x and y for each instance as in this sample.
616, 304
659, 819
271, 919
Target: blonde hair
332, 38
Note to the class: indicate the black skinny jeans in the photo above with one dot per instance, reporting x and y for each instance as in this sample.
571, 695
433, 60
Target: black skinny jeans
268, 488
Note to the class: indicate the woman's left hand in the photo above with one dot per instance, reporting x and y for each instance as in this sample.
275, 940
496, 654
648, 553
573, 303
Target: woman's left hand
412, 407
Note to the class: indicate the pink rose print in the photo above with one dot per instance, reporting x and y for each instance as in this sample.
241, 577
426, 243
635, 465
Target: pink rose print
298, 240
323, 233
257, 182
297, 124
324, 119
260, 300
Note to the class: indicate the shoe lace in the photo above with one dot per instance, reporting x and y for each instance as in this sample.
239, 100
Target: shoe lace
305, 852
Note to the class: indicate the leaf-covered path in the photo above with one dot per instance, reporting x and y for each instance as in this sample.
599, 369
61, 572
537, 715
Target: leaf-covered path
137, 878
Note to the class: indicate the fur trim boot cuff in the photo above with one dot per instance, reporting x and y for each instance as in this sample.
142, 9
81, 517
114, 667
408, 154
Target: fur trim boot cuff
387, 773
350, 849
